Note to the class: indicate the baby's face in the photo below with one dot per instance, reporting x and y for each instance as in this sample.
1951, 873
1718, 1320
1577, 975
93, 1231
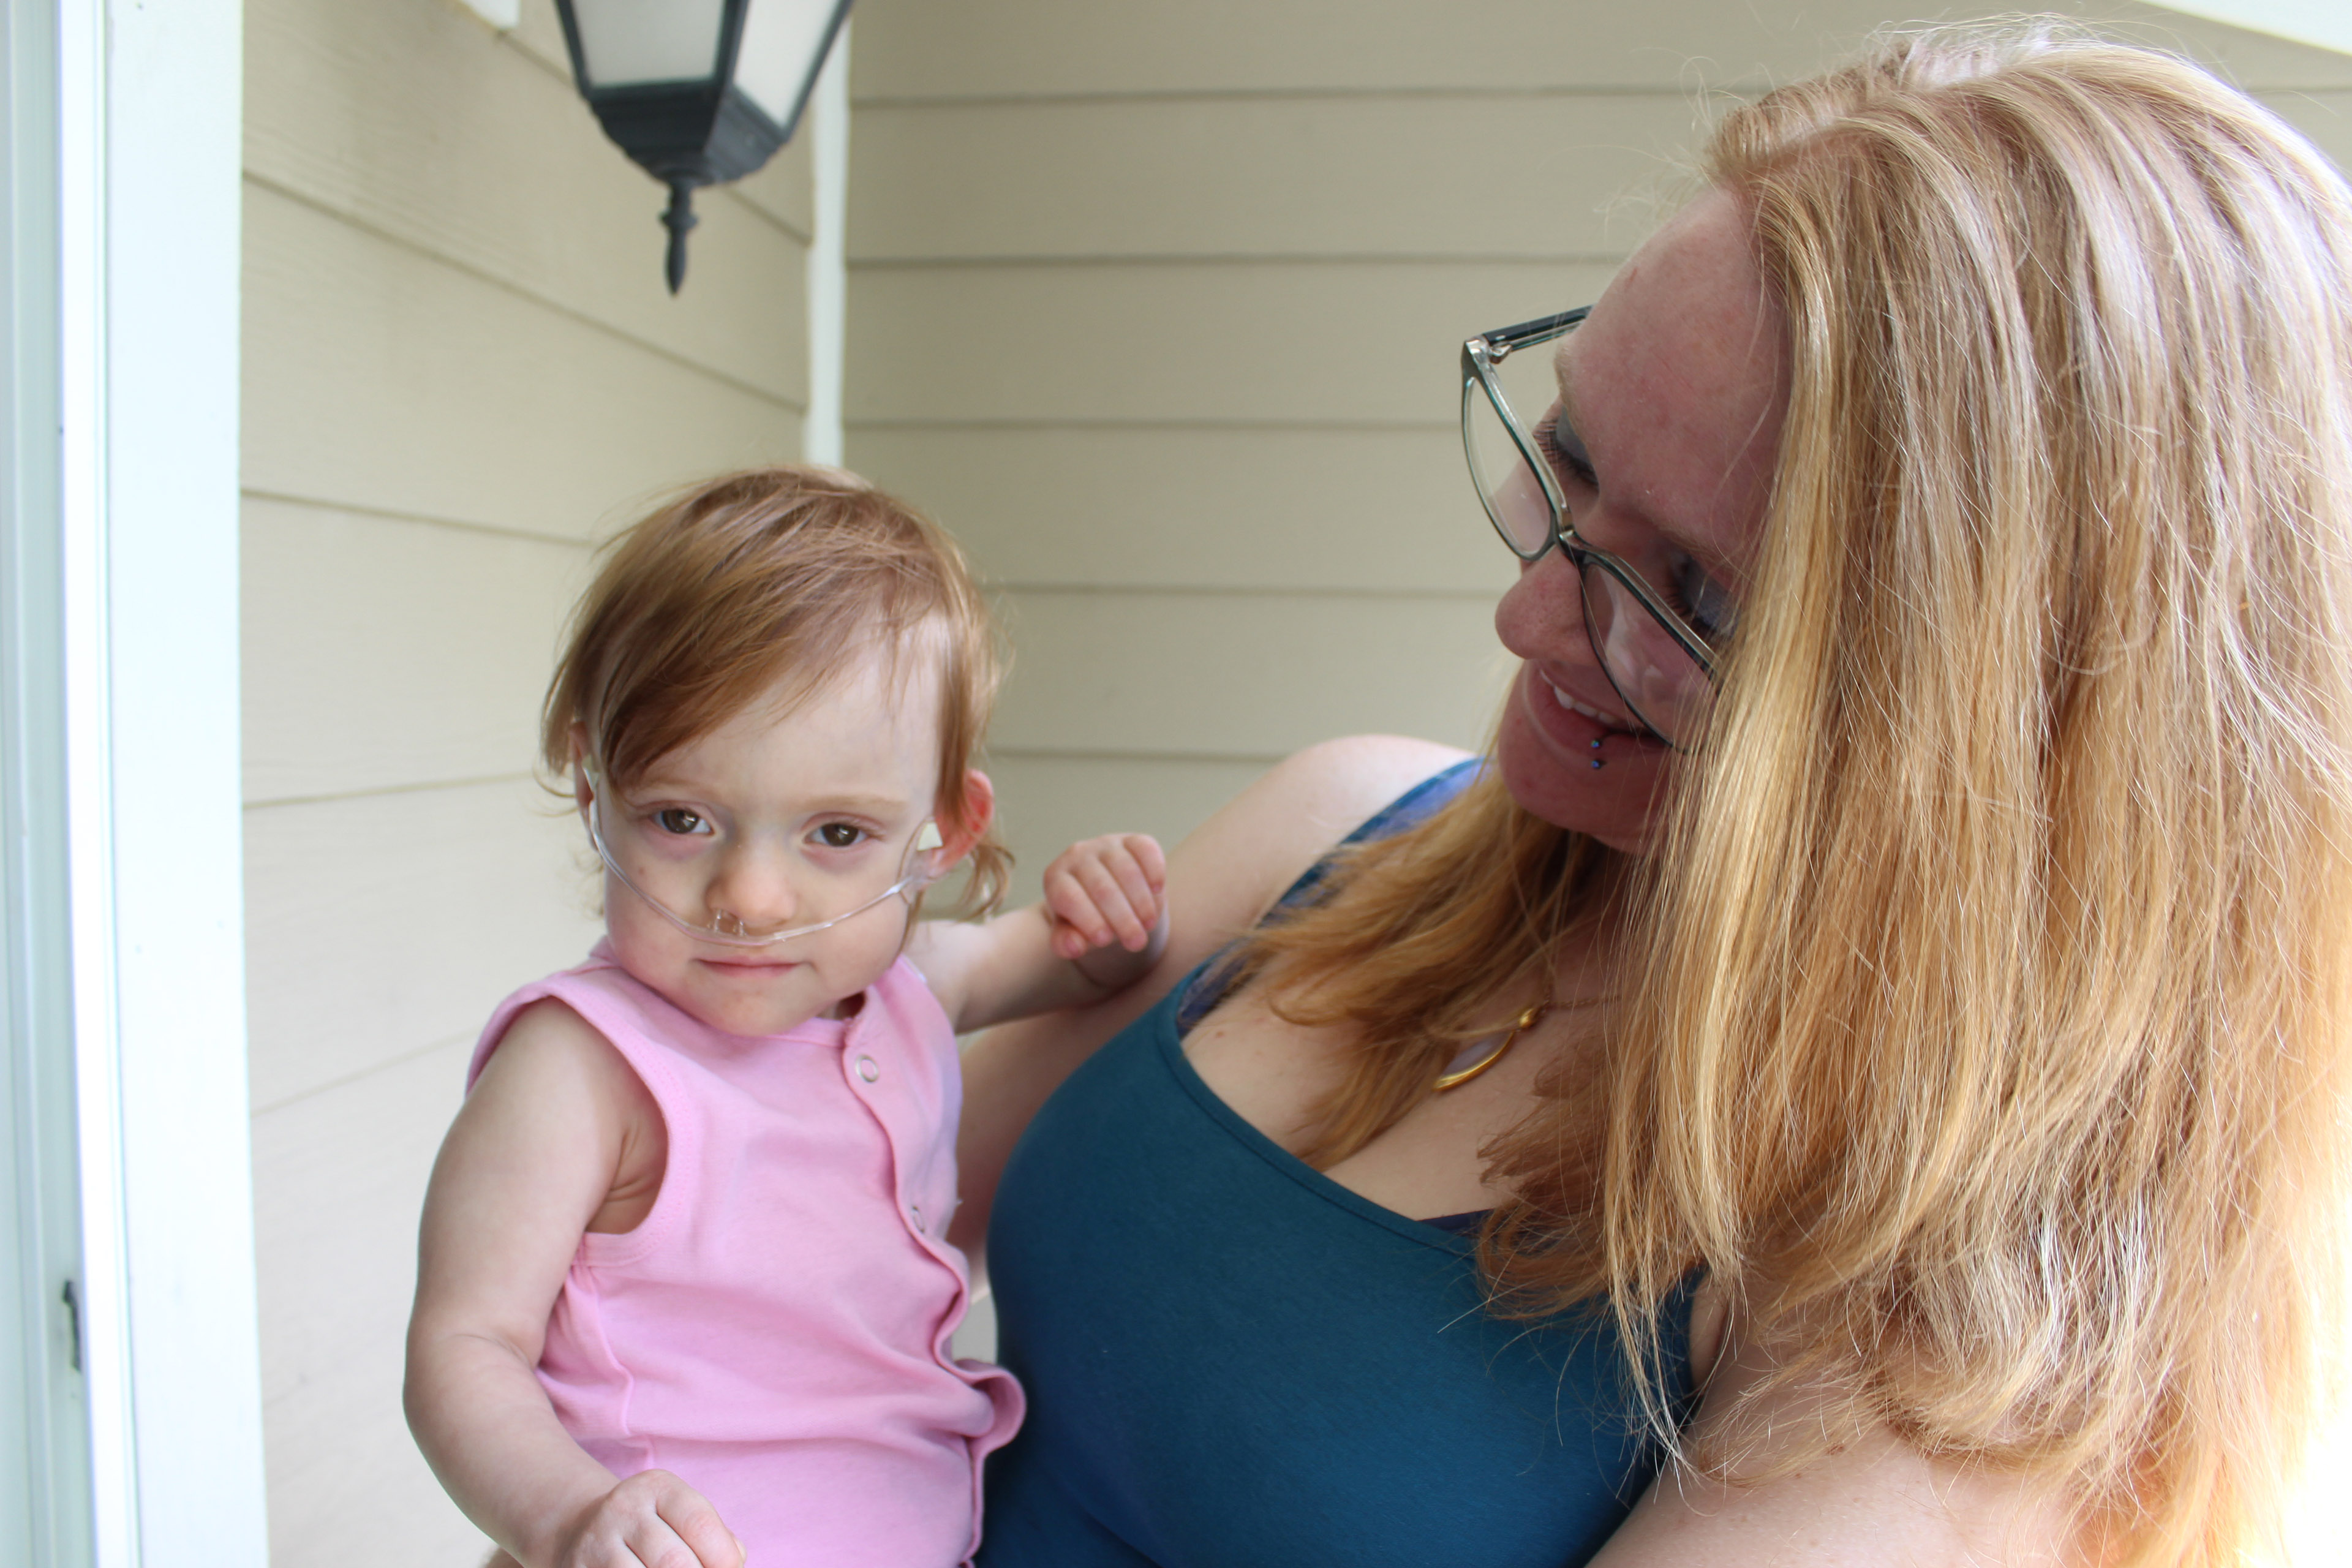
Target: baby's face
775, 820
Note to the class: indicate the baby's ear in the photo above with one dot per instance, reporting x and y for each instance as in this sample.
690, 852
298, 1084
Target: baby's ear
581, 792
964, 822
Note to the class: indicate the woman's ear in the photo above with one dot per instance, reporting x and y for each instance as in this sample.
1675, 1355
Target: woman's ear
964, 822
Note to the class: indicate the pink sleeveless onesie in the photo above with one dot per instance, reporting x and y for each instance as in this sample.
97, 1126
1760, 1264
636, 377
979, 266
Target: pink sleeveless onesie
775, 1332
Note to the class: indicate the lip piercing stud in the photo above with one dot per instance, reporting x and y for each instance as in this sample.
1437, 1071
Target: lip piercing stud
1596, 761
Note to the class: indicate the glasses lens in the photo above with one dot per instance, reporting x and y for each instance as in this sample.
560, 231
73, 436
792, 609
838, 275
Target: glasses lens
1516, 502
752, 887
1666, 687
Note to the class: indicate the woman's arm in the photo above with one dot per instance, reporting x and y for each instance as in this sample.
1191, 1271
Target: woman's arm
1869, 1499
540, 1144
1221, 879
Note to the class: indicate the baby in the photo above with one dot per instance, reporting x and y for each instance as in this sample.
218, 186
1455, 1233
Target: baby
684, 1280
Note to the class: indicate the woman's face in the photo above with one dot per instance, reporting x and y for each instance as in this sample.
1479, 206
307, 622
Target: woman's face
1672, 394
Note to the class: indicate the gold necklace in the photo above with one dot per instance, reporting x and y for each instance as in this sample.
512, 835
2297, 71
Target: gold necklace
1455, 1077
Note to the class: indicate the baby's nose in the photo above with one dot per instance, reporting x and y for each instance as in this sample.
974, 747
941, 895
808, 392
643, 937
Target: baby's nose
753, 891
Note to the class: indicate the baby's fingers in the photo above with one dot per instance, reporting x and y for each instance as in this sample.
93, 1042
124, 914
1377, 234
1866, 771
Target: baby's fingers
700, 1531
1149, 863
1101, 892
654, 1519
1088, 907
1136, 864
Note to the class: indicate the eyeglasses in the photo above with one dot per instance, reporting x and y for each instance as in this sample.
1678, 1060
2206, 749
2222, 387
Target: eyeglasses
672, 856
1661, 666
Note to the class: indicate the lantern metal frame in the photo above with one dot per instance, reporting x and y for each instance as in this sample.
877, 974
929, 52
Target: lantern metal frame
695, 131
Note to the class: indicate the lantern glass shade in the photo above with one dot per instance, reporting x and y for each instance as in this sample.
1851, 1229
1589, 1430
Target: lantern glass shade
783, 42
625, 43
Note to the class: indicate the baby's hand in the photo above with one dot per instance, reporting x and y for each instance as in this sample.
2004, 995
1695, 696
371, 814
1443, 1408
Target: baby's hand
1109, 891
646, 1519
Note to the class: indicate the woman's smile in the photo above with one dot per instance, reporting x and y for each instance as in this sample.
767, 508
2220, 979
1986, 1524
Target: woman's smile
1606, 720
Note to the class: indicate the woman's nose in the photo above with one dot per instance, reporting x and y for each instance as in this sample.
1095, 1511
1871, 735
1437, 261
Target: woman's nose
1542, 615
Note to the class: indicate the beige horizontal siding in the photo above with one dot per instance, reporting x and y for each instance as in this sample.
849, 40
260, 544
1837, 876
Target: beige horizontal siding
1248, 507
383, 923
380, 376
1346, 344
1259, 676
1417, 175
1094, 49
434, 673
338, 1249
1058, 799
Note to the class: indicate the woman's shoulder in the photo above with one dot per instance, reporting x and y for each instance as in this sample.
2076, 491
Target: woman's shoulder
1315, 798
1869, 1497
1229, 871
1267, 836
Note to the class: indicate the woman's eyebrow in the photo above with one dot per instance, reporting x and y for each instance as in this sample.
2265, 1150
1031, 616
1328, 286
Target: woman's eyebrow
1696, 549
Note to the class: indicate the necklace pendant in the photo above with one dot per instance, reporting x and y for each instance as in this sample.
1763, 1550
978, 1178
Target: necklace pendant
1475, 1058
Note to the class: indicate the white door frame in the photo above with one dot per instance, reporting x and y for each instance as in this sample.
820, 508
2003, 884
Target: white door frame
123, 911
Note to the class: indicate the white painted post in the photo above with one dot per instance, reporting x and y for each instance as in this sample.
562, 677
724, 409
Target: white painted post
828, 277
149, 166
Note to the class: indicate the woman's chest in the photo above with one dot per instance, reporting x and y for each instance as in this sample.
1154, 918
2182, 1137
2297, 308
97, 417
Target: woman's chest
1282, 1077
1234, 1361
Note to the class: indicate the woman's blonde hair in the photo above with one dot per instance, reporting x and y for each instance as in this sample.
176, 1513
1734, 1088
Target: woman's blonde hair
772, 575
1983, 1022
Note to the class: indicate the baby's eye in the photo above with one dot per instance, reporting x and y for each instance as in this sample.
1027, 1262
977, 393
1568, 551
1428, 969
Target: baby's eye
679, 820
841, 836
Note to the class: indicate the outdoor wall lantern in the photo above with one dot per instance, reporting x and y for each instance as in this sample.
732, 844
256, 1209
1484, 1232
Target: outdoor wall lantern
698, 93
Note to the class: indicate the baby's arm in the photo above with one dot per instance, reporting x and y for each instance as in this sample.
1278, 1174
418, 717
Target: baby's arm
557, 1124
1102, 924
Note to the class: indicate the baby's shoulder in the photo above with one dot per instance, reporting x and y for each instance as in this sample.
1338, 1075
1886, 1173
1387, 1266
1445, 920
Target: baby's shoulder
554, 1079
548, 1039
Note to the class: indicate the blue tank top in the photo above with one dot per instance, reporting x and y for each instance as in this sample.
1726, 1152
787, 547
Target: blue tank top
1234, 1361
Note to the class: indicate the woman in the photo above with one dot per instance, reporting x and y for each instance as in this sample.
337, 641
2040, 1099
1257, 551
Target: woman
1930, 1066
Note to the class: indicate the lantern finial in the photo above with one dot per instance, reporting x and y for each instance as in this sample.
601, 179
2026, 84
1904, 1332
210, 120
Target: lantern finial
677, 220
